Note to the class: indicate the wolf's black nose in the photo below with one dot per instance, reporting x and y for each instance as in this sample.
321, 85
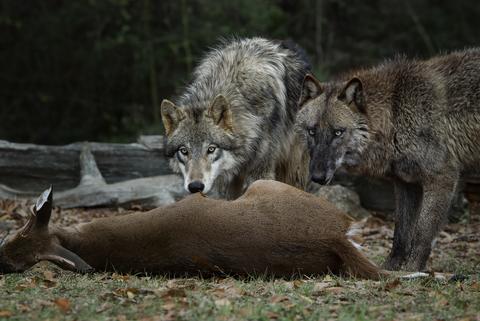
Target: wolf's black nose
196, 186
319, 178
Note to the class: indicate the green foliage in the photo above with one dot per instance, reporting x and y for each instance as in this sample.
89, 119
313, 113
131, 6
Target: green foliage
97, 70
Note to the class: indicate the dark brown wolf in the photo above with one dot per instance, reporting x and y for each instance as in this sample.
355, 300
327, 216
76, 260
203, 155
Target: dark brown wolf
416, 122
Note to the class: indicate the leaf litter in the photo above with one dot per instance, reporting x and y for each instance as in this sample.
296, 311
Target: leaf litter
458, 245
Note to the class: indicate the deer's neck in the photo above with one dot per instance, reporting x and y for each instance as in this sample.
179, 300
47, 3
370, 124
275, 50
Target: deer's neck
69, 237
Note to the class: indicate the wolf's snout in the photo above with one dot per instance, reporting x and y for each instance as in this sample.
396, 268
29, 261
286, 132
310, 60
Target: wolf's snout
196, 186
319, 178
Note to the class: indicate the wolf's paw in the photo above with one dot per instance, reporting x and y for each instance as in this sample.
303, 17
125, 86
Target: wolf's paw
394, 263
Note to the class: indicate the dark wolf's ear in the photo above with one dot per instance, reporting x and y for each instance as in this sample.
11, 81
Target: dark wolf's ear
171, 116
353, 93
311, 88
220, 112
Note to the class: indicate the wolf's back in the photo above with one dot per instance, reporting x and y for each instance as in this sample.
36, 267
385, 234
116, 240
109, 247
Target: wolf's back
245, 67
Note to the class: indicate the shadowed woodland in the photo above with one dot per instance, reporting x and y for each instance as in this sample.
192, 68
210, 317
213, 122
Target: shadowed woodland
98, 70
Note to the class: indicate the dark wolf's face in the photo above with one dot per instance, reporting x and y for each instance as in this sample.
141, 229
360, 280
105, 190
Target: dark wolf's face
200, 142
333, 123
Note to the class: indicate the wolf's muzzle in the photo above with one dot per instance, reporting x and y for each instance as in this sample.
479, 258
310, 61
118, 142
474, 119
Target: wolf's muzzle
196, 186
319, 178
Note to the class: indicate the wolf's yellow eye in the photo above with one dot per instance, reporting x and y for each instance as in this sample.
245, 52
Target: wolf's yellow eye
211, 149
338, 132
311, 132
183, 150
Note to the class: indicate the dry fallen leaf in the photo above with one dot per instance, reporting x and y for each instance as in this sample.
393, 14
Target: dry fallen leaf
334, 289
28, 284
63, 304
272, 315
392, 284
321, 286
23, 307
44, 303
48, 275
279, 298
5, 314
475, 286
120, 277
169, 306
227, 290
297, 283
151, 318
306, 298
169, 316
174, 292
327, 278
49, 280
222, 302
105, 306
130, 295
121, 317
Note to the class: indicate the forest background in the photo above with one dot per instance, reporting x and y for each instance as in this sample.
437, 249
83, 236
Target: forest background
99, 69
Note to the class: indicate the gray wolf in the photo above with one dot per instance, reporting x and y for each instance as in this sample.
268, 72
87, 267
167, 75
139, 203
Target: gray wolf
416, 122
233, 123
273, 229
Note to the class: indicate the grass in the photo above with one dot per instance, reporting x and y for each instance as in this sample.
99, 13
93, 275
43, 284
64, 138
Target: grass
46, 292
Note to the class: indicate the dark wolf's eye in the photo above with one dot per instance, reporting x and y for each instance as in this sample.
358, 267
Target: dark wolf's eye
211, 149
311, 131
339, 132
183, 150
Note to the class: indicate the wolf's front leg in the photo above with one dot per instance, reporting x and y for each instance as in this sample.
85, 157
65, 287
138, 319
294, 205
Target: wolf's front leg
437, 198
408, 198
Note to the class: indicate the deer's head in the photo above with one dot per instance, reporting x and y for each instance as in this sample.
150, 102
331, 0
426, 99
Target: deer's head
34, 243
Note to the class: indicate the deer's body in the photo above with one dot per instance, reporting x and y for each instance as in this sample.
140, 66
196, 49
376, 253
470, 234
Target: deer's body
273, 228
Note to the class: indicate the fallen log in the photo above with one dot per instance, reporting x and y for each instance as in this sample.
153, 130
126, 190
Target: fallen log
27, 169
94, 191
32, 168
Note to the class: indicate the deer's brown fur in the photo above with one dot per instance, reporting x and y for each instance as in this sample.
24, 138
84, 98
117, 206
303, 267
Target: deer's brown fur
273, 228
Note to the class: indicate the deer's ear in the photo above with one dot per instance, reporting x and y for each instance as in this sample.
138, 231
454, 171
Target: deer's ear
311, 88
43, 209
40, 213
66, 259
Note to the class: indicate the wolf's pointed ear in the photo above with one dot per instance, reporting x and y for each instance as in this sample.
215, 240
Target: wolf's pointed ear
171, 116
220, 112
353, 93
311, 88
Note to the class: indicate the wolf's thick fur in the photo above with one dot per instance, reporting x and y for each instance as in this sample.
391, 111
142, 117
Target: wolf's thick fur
233, 124
417, 122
